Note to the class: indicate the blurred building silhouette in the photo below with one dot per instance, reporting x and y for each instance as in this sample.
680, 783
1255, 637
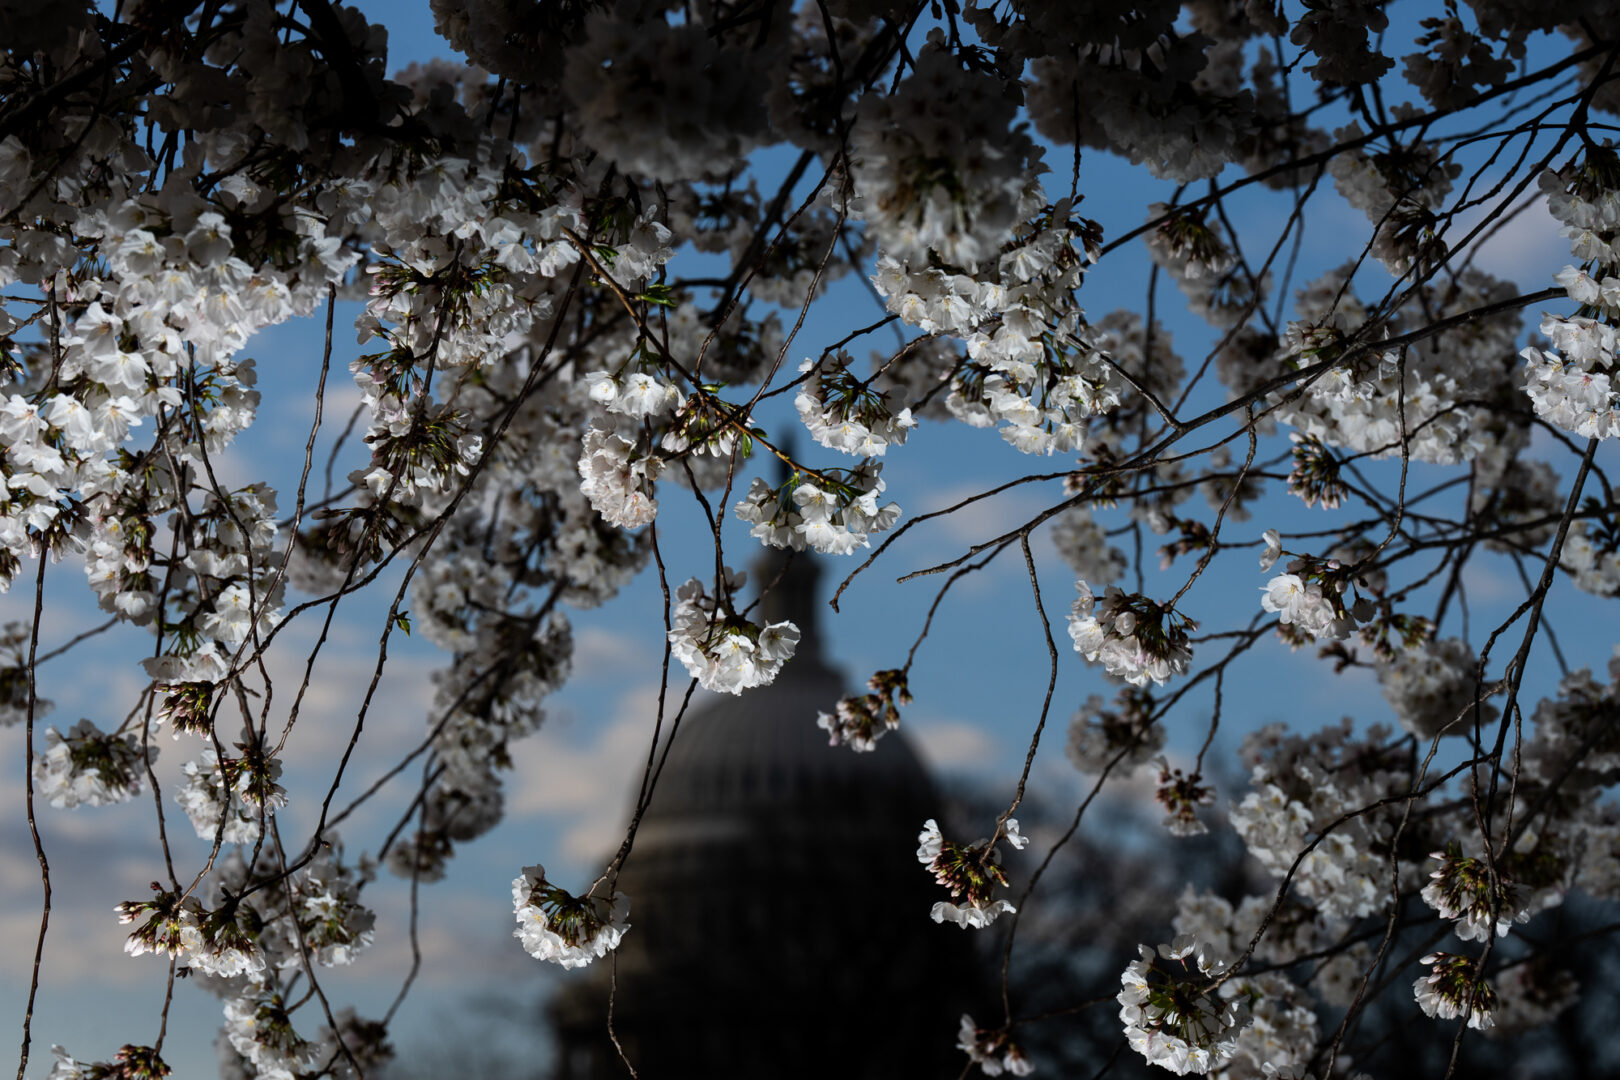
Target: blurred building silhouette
779, 917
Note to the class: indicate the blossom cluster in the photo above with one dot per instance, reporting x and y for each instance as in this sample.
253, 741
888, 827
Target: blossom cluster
721, 649
1463, 890
1084, 545
1453, 988
1312, 607
845, 413
536, 362
1425, 401
1434, 688
129, 1063
1298, 818
860, 720
919, 168
1399, 189
1593, 560
1181, 793
1171, 1015
637, 81
970, 871
1192, 250
1571, 384
247, 946
1134, 638
1153, 94
993, 1052
230, 797
1124, 737
89, 767
618, 479
567, 930
833, 512
1030, 363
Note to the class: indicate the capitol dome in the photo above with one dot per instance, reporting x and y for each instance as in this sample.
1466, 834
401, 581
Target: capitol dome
779, 916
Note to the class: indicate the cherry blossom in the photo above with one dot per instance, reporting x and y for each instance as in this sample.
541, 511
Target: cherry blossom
566, 930
580, 259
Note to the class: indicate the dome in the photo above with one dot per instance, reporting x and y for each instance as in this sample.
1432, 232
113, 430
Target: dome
760, 753
779, 917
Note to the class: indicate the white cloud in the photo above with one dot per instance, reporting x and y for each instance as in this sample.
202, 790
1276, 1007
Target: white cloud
464, 935
600, 653
1526, 251
95, 863
953, 745
982, 520
585, 783
953, 535
1487, 581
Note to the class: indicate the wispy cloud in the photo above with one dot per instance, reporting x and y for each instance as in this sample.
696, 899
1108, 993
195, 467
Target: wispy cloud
954, 745
1527, 250
581, 778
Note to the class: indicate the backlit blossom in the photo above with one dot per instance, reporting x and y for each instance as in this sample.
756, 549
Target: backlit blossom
567, 930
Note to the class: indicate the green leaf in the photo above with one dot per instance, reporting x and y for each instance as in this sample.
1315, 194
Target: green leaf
403, 621
662, 295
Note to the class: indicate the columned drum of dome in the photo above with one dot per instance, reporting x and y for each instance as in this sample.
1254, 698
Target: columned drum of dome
779, 918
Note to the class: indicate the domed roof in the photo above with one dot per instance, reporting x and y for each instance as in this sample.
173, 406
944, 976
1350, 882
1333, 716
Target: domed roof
775, 894
761, 751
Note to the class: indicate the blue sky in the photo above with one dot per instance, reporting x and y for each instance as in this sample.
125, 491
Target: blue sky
979, 681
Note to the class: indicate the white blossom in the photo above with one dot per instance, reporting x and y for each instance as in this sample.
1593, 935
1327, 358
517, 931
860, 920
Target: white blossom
87, 767
1134, 638
1453, 988
566, 930
723, 651
1171, 1015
